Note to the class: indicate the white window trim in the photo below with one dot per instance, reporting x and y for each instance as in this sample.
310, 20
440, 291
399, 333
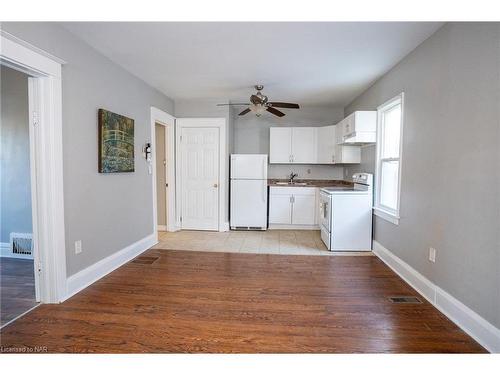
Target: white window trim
380, 210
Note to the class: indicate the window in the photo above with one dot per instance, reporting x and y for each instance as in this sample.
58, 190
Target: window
388, 168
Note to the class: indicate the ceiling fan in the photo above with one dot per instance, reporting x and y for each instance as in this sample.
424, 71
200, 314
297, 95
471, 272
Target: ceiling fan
259, 104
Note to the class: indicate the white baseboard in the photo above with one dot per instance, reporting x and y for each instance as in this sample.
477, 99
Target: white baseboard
224, 227
293, 227
6, 252
90, 275
162, 228
473, 324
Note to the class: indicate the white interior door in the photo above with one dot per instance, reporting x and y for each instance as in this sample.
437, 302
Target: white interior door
200, 178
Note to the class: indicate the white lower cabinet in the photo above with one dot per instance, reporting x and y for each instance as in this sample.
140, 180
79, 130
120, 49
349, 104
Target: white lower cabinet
304, 209
280, 208
292, 205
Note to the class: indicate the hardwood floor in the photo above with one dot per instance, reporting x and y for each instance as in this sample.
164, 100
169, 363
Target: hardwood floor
184, 301
17, 288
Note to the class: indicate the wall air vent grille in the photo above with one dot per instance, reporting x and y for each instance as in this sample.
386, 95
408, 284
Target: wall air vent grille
21, 243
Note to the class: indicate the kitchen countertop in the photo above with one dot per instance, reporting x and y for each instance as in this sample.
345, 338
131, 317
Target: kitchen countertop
342, 184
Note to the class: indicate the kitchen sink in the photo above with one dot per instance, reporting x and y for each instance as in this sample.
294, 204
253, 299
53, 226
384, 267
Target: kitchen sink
291, 184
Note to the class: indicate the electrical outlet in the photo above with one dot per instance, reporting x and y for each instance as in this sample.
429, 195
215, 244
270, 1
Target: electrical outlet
78, 247
432, 255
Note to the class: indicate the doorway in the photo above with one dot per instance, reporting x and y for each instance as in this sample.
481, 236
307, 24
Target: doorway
163, 171
46, 165
161, 176
18, 284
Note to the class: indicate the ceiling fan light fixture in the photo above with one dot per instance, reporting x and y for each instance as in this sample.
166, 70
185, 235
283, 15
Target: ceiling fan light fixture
258, 109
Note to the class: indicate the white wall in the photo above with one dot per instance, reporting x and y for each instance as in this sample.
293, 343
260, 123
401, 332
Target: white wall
15, 197
450, 188
108, 212
251, 136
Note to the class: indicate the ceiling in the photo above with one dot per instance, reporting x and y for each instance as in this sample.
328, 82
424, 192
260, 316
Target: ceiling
308, 63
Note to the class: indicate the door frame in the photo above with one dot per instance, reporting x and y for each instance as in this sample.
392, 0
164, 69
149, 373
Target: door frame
46, 149
168, 121
215, 122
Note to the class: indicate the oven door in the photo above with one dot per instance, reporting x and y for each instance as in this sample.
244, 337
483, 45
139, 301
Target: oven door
324, 211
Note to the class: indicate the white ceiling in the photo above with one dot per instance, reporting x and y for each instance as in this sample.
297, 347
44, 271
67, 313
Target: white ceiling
307, 63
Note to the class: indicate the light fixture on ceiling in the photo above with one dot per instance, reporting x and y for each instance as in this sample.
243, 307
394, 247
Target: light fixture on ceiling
260, 104
258, 109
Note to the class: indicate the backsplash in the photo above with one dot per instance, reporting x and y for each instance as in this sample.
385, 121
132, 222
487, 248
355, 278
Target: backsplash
305, 171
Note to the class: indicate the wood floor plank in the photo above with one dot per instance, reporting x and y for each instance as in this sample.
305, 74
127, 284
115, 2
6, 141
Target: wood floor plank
186, 301
17, 288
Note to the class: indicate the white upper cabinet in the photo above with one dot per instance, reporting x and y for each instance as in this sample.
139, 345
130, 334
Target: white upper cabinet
345, 154
280, 145
326, 144
358, 128
293, 145
304, 145
334, 144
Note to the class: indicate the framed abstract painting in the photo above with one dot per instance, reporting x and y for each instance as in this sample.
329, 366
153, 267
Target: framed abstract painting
116, 142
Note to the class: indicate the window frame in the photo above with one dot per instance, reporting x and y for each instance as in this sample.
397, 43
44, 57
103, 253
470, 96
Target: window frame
380, 210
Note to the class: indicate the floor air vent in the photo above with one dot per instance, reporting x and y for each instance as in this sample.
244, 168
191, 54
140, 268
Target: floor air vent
145, 260
21, 243
405, 299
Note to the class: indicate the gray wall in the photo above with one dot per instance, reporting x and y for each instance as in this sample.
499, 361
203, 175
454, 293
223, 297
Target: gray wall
450, 195
15, 197
251, 136
106, 212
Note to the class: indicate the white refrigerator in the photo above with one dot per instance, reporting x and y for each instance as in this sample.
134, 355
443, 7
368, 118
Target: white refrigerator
248, 203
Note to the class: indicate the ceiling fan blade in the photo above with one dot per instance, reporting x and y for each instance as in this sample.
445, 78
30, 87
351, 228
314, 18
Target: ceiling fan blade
283, 105
244, 112
255, 99
233, 104
275, 112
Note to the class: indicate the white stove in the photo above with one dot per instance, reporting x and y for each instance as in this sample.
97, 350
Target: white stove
346, 215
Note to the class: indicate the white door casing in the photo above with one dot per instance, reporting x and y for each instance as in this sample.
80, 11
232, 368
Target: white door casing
160, 117
48, 196
200, 178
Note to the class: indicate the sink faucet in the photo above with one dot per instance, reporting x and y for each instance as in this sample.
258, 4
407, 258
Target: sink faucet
292, 176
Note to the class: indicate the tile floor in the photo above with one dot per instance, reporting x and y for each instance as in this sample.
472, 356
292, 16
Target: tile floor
287, 242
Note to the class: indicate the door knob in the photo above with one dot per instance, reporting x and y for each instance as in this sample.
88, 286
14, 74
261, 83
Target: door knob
216, 185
